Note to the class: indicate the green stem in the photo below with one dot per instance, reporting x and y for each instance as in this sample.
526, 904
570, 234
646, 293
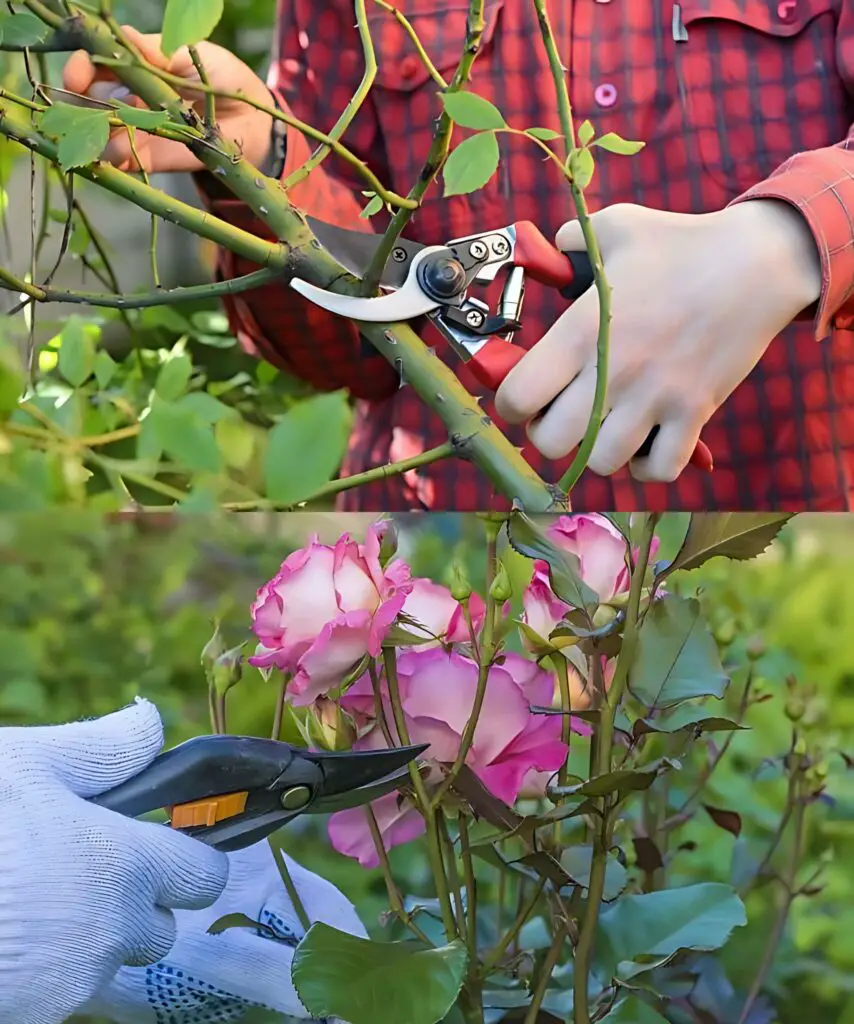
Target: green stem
450, 858
395, 899
524, 912
290, 888
407, 27
548, 966
471, 893
279, 713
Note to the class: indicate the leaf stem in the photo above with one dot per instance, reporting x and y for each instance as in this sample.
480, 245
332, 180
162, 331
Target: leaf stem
548, 966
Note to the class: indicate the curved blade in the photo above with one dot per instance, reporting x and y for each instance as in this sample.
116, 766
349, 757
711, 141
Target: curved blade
408, 302
354, 778
355, 251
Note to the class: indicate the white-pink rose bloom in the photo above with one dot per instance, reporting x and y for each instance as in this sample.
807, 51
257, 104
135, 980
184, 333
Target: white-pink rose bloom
441, 616
326, 608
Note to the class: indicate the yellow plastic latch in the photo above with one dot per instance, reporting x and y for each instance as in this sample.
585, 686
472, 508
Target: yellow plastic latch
208, 812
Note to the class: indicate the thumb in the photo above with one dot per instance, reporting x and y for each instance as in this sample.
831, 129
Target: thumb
92, 757
570, 238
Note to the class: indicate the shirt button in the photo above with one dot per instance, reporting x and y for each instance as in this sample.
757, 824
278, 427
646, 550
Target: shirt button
787, 10
605, 95
409, 67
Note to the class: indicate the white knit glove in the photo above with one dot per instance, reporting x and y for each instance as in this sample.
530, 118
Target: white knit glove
84, 890
215, 979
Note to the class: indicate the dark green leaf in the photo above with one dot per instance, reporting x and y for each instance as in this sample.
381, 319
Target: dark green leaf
138, 117
363, 982
677, 658
543, 134
82, 132
692, 717
223, 924
187, 22
184, 435
658, 924
470, 166
576, 861
174, 376
613, 143
22, 29
210, 409
624, 780
740, 536
530, 540
105, 368
471, 111
76, 352
306, 447
633, 1011
582, 166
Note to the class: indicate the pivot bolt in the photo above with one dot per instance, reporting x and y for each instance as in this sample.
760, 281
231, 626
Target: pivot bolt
500, 246
398, 254
295, 798
474, 318
442, 277
478, 249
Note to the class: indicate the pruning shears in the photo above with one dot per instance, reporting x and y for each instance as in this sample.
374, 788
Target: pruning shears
435, 280
233, 791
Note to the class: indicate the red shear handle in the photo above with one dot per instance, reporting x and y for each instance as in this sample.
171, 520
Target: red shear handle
571, 273
492, 363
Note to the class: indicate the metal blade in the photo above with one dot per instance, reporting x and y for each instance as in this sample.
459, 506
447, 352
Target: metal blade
353, 778
355, 251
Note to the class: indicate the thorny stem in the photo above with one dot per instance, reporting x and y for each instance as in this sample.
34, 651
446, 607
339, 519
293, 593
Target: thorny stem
210, 96
604, 742
290, 887
437, 153
524, 912
408, 28
453, 873
548, 966
471, 892
278, 714
395, 899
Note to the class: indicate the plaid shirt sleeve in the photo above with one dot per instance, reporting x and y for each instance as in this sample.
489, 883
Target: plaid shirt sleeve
276, 323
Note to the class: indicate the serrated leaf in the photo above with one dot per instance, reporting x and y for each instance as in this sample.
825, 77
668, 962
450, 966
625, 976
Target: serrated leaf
105, 368
624, 780
184, 435
530, 540
543, 134
138, 117
76, 352
677, 658
82, 133
472, 111
653, 926
174, 376
187, 22
613, 143
581, 166
363, 982
739, 536
586, 132
470, 166
695, 718
22, 29
306, 447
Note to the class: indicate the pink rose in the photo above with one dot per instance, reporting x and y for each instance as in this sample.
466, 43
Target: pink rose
325, 609
437, 691
600, 549
443, 619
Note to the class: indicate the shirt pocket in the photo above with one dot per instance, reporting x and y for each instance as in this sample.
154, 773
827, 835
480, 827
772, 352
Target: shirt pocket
406, 93
758, 82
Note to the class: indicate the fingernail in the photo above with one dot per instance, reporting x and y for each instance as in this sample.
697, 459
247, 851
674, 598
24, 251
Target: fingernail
119, 92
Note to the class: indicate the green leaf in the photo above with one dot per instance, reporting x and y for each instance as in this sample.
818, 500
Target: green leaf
105, 368
581, 166
613, 143
530, 540
182, 433
585, 132
543, 134
576, 861
174, 376
363, 982
633, 1011
374, 206
82, 132
653, 926
624, 780
688, 716
138, 117
76, 352
739, 536
12, 377
236, 441
204, 405
471, 164
471, 111
306, 446
22, 29
187, 22
228, 921
677, 658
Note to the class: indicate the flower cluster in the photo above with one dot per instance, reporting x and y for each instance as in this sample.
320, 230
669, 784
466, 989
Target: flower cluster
323, 620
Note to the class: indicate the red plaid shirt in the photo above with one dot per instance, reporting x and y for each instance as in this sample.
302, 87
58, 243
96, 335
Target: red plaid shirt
734, 98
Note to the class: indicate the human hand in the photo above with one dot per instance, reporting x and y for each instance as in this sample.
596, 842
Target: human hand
84, 890
219, 977
696, 301
238, 121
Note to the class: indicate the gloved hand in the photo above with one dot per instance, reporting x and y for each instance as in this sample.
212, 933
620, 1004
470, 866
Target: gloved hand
84, 890
216, 978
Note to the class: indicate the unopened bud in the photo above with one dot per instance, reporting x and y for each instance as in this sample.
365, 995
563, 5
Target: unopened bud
725, 632
755, 647
800, 747
227, 670
500, 590
212, 650
460, 586
388, 541
822, 770
795, 709
494, 521
334, 729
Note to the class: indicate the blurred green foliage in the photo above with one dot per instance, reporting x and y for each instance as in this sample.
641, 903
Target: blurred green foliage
93, 613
